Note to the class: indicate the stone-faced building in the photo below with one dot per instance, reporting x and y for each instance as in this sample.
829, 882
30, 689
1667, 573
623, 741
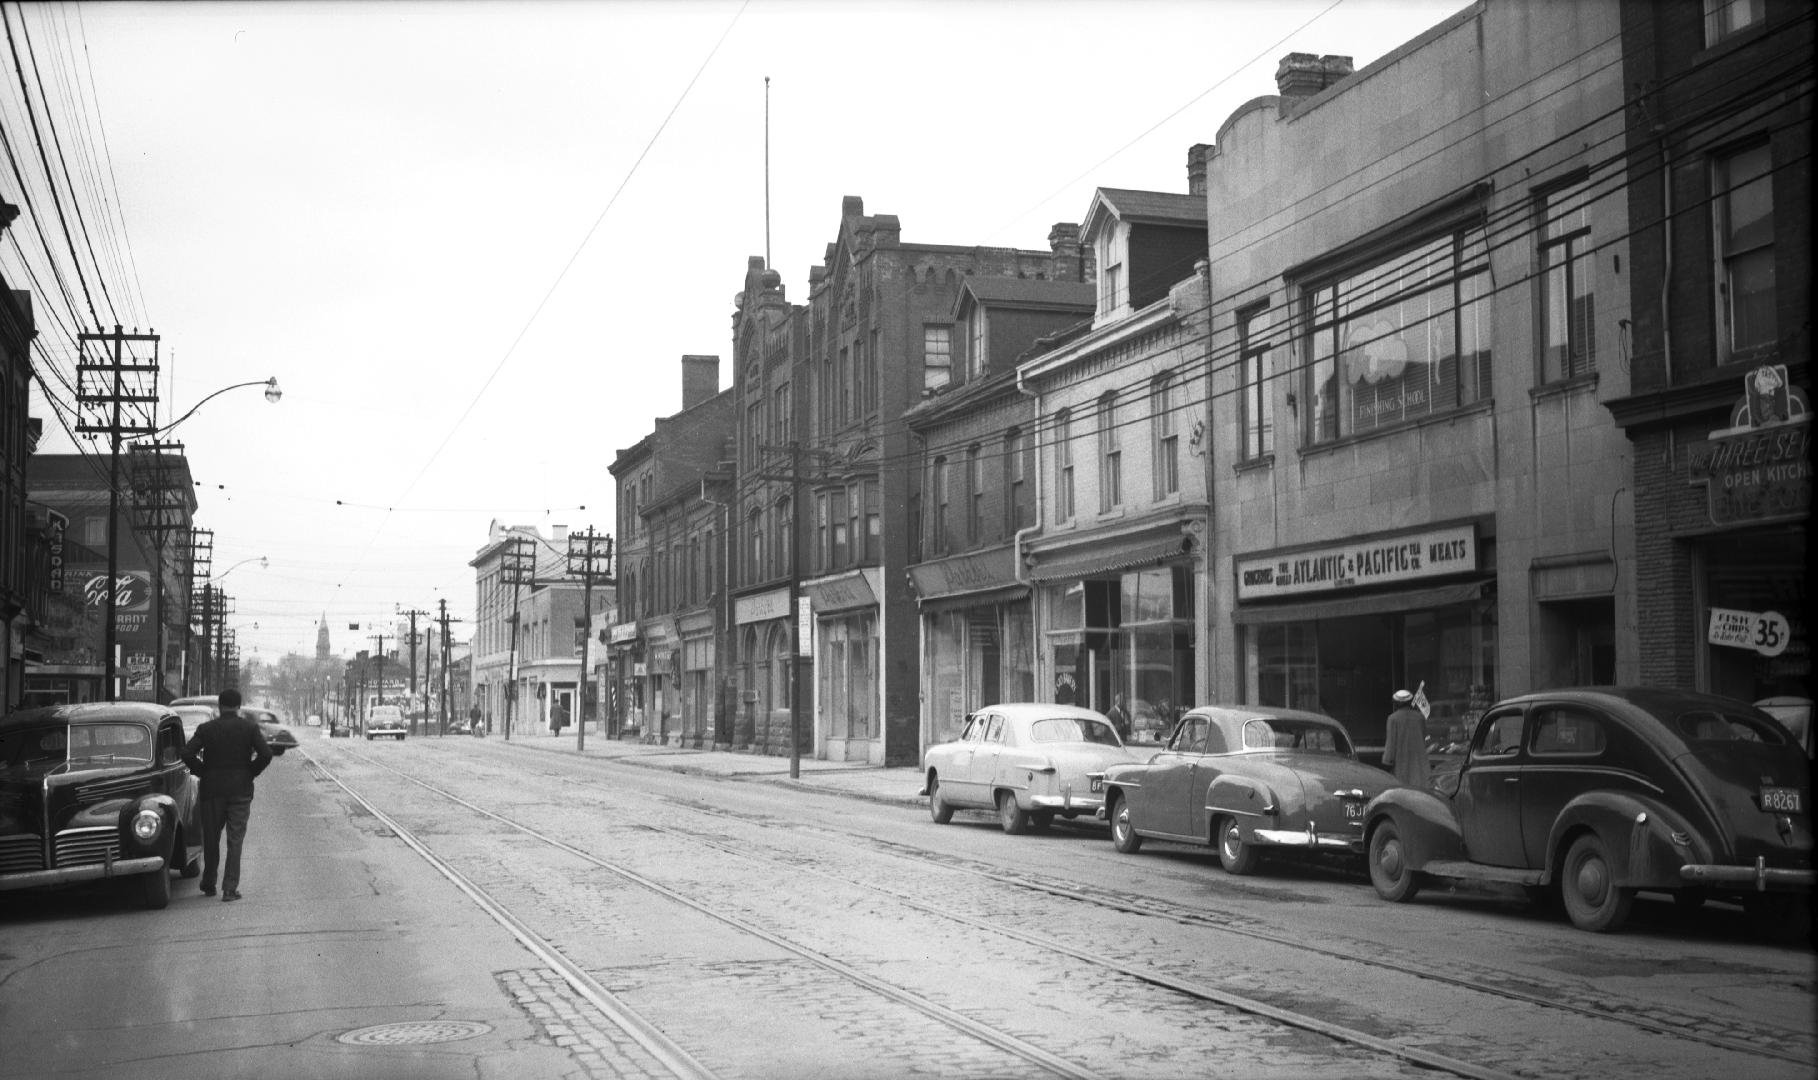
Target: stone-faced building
24, 544
1720, 204
1419, 316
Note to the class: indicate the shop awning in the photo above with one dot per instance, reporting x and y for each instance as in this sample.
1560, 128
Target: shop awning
1106, 560
962, 601
1375, 604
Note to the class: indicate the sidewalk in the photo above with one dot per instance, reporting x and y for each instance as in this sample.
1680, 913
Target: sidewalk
873, 783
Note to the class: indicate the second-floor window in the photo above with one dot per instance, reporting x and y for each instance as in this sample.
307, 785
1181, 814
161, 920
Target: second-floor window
1111, 456
754, 434
1567, 304
939, 481
937, 356
1063, 466
1167, 435
1405, 337
1255, 405
782, 419
1725, 17
975, 495
1016, 486
1743, 209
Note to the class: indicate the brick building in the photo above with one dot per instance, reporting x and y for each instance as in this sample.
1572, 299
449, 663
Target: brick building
1720, 199
24, 543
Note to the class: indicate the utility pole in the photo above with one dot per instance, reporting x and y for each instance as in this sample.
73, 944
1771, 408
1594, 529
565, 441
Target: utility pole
444, 619
413, 613
157, 511
518, 567
590, 557
379, 679
201, 565
102, 385
796, 611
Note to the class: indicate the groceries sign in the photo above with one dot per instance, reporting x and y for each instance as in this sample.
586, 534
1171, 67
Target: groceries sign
1381, 561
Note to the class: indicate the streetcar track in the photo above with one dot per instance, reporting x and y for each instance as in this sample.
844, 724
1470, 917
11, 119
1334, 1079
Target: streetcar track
1001, 1040
1199, 918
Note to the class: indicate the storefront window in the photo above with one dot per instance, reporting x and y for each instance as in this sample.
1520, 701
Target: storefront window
1761, 577
848, 674
1132, 659
946, 689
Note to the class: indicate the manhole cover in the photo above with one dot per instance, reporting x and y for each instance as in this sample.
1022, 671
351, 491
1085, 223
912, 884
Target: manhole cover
418, 1031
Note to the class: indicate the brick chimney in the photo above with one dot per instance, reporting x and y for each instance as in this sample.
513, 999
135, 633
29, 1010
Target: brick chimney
700, 379
1196, 167
1063, 240
1300, 76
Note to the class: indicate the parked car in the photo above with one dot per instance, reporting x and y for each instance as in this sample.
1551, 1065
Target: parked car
1246, 779
385, 721
193, 714
1601, 792
277, 736
97, 791
1029, 762
312, 720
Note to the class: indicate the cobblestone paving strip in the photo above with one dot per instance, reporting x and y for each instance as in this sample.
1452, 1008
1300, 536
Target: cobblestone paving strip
601, 1048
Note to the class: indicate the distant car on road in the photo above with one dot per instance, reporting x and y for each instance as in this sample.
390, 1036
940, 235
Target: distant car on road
277, 736
385, 722
97, 791
1601, 792
312, 720
1029, 762
1246, 779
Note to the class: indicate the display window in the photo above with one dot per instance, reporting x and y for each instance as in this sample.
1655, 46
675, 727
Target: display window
1751, 623
848, 676
976, 657
1123, 645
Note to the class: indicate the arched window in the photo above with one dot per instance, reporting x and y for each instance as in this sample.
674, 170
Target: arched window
1110, 455
754, 531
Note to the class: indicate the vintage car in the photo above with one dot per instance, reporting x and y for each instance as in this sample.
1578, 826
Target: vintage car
277, 736
193, 715
97, 791
1029, 762
385, 722
1245, 779
1600, 792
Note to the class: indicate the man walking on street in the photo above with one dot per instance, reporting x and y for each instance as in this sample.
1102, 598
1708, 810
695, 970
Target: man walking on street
1404, 750
226, 752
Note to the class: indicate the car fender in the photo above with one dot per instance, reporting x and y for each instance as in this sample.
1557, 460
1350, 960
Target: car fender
1642, 837
1428, 827
166, 808
1243, 797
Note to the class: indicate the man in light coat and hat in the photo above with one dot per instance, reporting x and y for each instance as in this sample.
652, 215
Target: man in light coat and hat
1404, 750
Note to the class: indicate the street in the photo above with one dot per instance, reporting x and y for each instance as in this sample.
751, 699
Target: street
461, 907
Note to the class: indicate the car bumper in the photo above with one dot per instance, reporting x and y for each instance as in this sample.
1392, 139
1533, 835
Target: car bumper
1068, 803
1311, 839
1761, 877
64, 875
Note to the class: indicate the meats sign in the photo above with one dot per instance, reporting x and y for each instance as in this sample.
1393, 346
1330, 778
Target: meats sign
1379, 561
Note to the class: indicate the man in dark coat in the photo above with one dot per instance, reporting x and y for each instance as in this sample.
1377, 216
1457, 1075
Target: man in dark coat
1404, 750
226, 752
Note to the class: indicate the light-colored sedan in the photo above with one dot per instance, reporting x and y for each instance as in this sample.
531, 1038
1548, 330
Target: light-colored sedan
1027, 761
1243, 778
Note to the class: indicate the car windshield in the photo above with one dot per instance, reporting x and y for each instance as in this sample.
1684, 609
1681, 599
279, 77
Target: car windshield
1711, 726
1281, 733
1073, 729
73, 747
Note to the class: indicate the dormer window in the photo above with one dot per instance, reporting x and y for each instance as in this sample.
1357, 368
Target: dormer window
976, 349
1112, 248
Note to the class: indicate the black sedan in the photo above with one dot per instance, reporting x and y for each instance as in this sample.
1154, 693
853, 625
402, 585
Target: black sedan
277, 736
97, 791
1602, 792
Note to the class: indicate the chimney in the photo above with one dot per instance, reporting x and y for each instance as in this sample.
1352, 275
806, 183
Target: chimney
1302, 75
700, 379
1196, 167
1063, 241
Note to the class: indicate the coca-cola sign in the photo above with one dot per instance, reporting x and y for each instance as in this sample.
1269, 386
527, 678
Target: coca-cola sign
132, 591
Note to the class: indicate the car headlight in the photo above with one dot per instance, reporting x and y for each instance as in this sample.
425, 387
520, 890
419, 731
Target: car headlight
147, 824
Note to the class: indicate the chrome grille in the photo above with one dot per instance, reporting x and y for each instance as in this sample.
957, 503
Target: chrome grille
79, 847
21, 853
109, 789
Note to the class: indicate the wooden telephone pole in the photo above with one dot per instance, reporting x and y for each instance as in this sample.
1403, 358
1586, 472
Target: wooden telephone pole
590, 559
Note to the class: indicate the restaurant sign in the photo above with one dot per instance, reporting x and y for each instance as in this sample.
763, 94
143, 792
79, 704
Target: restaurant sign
1760, 467
1380, 561
1764, 632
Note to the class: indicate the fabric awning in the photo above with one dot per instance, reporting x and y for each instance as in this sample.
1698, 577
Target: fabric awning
1437, 596
1107, 560
961, 601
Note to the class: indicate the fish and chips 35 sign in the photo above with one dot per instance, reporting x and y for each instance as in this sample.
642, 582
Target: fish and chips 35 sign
1381, 561
1765, 632
1760, 467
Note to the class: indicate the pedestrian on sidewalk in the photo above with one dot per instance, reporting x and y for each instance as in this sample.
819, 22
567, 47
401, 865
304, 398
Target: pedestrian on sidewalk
558, 719
226, 753
1404, 749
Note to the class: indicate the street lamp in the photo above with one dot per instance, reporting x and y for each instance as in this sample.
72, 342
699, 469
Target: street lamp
272, 394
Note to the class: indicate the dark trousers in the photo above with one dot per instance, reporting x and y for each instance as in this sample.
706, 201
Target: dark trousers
219, 814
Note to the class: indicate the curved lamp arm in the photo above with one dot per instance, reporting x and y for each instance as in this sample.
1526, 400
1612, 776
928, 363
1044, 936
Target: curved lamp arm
272, 394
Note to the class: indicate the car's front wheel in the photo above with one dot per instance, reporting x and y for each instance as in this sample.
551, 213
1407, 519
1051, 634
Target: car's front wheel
938, 808
1588, 883
1394, 879
1014, 818
1234, 855
1123, 830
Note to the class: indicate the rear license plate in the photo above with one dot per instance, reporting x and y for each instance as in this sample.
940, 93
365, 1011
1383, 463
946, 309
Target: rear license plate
1353, 810
1781, 800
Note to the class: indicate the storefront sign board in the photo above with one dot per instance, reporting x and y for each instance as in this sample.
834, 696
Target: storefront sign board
972, 572
761, 607
1760, 467
1414, 556
623, 632
1765, 632
804, 627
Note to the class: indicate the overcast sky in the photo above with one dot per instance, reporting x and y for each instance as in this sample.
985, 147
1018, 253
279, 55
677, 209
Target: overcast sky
473, 240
